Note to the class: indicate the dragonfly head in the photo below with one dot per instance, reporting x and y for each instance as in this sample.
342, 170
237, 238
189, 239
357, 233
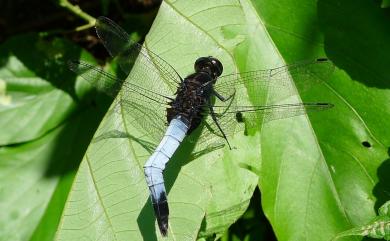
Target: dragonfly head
210, 65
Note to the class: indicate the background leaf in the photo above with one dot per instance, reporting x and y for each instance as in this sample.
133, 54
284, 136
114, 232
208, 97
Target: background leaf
40, 89
44, 111
31, 173
316, 198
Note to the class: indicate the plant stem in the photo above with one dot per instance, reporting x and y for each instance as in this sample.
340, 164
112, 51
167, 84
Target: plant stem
77, 11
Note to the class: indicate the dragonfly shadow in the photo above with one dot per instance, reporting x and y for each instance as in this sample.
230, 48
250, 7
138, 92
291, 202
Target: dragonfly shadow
183, 156
358, 43
148, 146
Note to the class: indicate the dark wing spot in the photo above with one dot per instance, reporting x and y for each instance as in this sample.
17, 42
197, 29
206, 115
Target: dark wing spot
239, 117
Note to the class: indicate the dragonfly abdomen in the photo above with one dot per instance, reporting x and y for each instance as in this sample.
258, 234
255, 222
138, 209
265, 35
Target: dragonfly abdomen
155, 166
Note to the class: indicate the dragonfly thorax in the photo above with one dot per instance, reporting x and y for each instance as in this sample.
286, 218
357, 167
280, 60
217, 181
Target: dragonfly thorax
209, 65
191, 100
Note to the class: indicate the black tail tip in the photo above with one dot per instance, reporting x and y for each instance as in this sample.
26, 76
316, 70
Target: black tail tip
163, 226
162, 214
161, 209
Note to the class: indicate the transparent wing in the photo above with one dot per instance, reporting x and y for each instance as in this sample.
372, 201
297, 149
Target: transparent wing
254, 114
269, 88
145, 109
111, 85
125, 51
277, 83
232, 120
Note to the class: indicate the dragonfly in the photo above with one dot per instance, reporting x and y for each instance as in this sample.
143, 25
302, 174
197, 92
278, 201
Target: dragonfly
168, 108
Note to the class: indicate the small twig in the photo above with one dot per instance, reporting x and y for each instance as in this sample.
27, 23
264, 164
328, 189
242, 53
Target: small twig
77, 11
85, 26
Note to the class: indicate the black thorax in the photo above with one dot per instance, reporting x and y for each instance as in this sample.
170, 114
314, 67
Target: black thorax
191, 100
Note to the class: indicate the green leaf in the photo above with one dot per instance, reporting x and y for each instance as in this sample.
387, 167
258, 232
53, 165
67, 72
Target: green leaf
315, 175
39, 97
31, 173
36, 88
319, 182
47, 226
24, 189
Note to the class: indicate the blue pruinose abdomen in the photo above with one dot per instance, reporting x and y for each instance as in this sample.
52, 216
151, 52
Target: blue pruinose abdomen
155, 166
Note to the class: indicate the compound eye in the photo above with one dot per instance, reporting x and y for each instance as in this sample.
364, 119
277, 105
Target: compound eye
201, 63
217, 66
213, 66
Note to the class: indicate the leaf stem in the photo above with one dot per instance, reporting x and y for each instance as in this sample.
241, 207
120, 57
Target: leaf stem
77, 11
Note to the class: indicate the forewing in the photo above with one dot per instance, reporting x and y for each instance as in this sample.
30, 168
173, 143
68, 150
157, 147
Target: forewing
277, 83
140, 107
269, 87
125, 51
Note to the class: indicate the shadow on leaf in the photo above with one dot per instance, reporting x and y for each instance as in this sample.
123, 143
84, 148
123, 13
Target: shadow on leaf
382, 188
356, 39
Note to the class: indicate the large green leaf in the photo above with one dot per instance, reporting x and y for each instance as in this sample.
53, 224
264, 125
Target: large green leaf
37, 88
314, 198
24, 189
316, 177
35, 178
39, 100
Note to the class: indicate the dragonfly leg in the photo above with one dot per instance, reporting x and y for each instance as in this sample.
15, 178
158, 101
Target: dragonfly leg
212, 113
221, 98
